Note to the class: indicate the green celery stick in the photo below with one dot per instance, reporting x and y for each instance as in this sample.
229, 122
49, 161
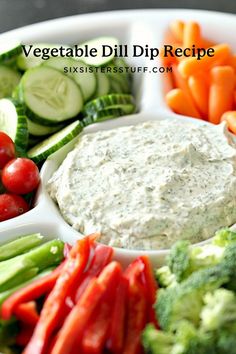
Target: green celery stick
19, 246
41, 257
4, 295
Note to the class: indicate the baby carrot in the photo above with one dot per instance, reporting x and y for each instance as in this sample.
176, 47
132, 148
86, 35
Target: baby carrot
191, 34
221, 94
200, 92
230, 119
190, 66
177, 29
179, 102
206, 43
181, 82
235, 98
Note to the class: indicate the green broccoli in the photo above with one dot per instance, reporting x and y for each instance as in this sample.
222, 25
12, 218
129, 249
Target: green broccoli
185, 300
157, 342
165, 278
219, 309
186, 340
224, 237
184, 259
229, 265
226, 340
179, 259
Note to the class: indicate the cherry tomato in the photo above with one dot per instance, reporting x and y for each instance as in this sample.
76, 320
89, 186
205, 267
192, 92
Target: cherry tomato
12, 205
7, 149
20, 176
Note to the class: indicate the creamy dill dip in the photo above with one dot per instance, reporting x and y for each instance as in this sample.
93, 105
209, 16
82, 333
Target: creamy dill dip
146, 186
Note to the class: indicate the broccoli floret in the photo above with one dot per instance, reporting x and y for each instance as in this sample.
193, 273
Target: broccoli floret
219, 309
224, 237
226, 340
190, 340
184, 260
229, 265
185, 300
179, 259
186, 340
157, 342
165, 278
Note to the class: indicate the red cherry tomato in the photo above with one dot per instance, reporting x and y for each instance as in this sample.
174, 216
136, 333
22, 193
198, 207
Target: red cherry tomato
20, 176
12, 205
7, 149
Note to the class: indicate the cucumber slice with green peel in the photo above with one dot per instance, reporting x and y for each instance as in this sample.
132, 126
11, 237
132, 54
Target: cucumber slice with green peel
9, 50
41, 130
9, 79
85, 79
14, 122
98, 43
56, 141
24, 63
103, 115
122, 101
50, 97
103, 84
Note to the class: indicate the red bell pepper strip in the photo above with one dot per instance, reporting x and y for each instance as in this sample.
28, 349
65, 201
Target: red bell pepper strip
27, 313
67, 249
137, 308
54, 304
115, 340
137, 318
102, 256
23, 337
31, 292
77, 319
95, 335
75, 324
151, 286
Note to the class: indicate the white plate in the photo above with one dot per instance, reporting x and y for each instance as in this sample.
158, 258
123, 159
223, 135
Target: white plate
131, 27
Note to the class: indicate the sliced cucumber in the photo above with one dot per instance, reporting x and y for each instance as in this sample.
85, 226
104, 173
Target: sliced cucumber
41, 130
122, 101
103, 84
50, 97
98, 43
24, 63
9, 79
47, 147
85, 79
9, 50
14, 122
105, 114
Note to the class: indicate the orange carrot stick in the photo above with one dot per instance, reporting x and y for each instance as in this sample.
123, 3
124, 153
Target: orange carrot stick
221, 94
182, 83
191, 66
169, 38
177, 29
235, 98
191, 34
179, 102
206, 43
230, 119
200, 92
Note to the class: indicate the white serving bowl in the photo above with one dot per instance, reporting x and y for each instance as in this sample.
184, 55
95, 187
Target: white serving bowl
131, 27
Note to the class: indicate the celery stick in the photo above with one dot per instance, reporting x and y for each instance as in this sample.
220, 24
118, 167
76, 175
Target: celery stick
4, 295
24, 274
44, 256
19, 246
